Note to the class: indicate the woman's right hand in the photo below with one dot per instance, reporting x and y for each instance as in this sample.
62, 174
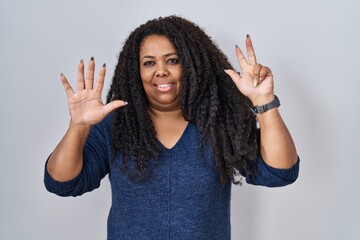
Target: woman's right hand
85, 105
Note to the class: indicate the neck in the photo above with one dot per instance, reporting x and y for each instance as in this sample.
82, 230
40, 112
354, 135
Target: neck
167, 115
169, 125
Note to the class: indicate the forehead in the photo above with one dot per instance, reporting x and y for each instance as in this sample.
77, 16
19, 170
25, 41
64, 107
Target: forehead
156, 44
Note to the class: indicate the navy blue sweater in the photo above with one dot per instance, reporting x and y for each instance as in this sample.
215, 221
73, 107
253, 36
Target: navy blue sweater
183, 198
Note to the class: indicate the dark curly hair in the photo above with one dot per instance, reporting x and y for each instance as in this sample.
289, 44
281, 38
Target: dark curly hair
209, 99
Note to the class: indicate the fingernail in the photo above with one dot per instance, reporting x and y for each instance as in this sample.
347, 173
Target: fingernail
82, 61
61, 74
255, 83
247, 35
92, 59
236, 46
104, 65
125, 103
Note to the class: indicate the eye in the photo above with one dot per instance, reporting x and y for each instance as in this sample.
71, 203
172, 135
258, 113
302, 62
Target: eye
148, 63
173, 61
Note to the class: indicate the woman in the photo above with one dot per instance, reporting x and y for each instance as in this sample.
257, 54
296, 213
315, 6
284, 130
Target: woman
178, 127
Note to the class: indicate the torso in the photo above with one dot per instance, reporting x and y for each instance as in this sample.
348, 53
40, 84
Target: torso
183, 198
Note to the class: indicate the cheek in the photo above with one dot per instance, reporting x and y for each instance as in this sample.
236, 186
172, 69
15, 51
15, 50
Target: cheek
178, 74
145, 76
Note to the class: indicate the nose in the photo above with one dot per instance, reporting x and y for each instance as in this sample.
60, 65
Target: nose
161, 70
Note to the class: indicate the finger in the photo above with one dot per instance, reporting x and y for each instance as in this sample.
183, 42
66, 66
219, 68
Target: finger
240, 57
68, 89
90, 74
264, 72
80, 76
113, 105
233, 75
100, 80
250, 50
256, 74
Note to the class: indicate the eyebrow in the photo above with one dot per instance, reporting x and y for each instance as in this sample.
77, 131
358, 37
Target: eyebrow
166, 55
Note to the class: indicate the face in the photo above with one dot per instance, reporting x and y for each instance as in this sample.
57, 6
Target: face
161, 72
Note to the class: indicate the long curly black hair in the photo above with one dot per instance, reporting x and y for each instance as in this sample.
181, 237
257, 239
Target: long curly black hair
209, 99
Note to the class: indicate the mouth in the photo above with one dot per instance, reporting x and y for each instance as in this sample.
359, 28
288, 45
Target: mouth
164, 87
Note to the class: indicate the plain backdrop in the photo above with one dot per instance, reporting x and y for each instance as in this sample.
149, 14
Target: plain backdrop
311, 46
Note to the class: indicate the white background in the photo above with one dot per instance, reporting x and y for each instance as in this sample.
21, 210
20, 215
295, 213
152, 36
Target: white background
311, 46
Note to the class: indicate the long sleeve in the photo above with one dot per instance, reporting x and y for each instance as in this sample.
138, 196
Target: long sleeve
95, 165
272, 177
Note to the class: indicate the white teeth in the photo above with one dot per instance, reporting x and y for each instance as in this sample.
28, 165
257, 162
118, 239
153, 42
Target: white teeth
164, 85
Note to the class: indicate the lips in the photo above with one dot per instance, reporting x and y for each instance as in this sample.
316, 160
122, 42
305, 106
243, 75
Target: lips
164, 87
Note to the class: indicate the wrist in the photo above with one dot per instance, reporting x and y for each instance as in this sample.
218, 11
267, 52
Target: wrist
80, 129
271, 104
263, 99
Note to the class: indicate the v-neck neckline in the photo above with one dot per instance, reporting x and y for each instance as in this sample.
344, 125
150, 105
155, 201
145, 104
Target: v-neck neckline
163, 147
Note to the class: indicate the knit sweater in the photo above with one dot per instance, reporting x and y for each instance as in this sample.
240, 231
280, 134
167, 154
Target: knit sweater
183, 198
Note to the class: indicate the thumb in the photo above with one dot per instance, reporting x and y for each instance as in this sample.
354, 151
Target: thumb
233, 75
111, 106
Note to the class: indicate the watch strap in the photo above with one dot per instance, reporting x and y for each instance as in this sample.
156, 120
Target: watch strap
263, 108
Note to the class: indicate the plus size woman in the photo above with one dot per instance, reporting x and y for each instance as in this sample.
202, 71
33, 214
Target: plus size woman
178, 128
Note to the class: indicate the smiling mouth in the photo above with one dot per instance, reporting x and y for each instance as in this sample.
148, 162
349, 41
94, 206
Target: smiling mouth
164, 87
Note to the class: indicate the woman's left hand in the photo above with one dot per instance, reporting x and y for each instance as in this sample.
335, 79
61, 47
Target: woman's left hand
256, 80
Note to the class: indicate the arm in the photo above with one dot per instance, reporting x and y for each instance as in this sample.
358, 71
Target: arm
256, 82
86, 109
66, 161
276, 145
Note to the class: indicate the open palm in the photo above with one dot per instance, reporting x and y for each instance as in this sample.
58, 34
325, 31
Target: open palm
85, 105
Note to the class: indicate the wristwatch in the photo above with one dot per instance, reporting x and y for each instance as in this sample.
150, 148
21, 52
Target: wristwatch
263, 108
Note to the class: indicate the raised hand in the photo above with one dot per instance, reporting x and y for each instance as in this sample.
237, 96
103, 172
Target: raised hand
255, 81
85, 105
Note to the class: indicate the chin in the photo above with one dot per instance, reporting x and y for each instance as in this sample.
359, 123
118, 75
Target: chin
165, 103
